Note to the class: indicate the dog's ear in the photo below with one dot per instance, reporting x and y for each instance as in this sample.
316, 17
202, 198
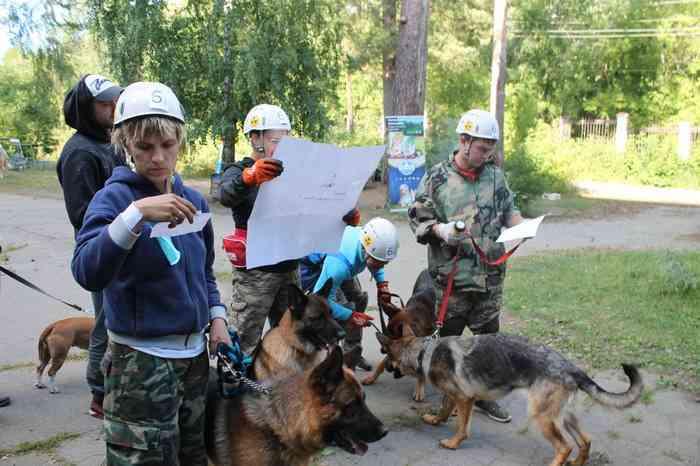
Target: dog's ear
297, 301
325, 289
407, 331
329, 374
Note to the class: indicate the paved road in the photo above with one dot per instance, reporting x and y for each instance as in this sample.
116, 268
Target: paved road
664, 432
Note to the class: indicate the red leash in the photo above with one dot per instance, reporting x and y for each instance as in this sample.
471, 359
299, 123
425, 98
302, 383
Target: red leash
451, 276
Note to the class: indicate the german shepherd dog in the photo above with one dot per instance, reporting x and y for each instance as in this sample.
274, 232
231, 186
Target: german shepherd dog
419, 314
488, 367
301, 338
303, 414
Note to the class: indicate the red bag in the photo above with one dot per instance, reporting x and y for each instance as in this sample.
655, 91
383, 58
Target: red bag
235, 245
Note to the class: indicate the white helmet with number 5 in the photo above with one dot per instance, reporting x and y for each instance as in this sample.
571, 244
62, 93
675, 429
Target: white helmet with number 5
146, 99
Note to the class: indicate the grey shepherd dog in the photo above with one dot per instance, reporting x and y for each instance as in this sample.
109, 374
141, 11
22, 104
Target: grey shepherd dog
488, 367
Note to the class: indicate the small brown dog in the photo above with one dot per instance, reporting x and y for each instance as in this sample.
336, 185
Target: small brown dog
419, 314
55, 342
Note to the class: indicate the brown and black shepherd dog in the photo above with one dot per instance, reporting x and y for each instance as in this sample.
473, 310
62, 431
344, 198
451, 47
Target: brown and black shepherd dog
419, 314
302, 337
488, 367
303, 414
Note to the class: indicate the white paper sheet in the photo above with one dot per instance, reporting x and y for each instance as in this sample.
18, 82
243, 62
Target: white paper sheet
301, 211
200, 220
526, 229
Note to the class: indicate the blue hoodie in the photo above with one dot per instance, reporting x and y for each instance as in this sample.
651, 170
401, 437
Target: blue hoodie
344, 265
144, 296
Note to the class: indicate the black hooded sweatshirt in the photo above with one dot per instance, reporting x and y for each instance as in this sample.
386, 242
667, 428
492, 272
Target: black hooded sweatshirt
87, 159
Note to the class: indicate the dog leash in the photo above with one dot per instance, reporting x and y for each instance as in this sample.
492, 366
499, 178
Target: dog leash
31, 285
232, 365
453, 270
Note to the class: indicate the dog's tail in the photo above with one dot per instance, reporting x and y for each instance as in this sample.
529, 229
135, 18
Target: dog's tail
44, 353
613, 400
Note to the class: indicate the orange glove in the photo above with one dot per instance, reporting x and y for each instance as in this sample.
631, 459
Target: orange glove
352, 218
262, 170
383, 292
360, 319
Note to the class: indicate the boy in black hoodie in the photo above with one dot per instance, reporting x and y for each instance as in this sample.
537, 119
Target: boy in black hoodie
85, 164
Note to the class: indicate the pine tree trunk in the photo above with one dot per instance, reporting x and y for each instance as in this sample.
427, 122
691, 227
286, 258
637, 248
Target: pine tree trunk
228, 155
389, 55
498, 70
411, 58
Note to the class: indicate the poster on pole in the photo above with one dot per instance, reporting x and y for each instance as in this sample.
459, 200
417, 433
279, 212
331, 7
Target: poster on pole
405, 158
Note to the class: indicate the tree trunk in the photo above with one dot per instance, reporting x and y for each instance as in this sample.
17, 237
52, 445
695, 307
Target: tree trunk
228, 155
498, 70
411, 58
389, 55
349, 115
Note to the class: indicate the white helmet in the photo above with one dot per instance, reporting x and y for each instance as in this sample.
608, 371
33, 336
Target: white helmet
478, 124
380, 239
265, 116
146, 98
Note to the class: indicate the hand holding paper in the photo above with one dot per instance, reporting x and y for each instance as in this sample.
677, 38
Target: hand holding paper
525, 229
163, 228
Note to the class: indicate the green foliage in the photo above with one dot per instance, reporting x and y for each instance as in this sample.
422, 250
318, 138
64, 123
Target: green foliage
528, 178
649, 160
272, 58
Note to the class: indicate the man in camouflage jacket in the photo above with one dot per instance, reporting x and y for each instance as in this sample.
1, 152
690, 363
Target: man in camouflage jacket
467, 187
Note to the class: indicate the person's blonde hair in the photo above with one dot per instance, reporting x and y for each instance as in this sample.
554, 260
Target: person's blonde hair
131, 131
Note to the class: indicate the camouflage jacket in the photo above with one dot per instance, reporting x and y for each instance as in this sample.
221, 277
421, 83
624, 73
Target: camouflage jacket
444, 195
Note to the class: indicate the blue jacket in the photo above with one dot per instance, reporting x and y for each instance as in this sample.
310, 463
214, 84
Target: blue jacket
144, 296
343, 265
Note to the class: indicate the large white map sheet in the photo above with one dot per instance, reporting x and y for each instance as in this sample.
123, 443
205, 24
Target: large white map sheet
301, 211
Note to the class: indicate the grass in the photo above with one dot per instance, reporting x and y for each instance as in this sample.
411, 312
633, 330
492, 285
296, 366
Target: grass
81, 356
40, 446
608, 307
38, 183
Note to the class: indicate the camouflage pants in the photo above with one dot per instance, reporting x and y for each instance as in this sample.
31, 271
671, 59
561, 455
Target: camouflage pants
478, 310
257, 296
154, 408
350, 295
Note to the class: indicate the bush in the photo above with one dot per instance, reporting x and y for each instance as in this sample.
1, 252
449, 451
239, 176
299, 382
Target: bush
649, 160
529, 179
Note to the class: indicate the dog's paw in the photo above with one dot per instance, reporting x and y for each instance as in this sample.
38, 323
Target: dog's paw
419, 396
431, 419
450, 443
39, 385
369, 380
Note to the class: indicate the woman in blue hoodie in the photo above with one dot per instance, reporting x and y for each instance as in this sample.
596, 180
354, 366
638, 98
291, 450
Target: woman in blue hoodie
159, 293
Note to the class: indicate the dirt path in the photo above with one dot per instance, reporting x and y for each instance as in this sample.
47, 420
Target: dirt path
664, 432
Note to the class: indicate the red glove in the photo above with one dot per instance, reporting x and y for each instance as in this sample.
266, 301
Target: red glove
352, 218
360, 319
383, 292
262, 170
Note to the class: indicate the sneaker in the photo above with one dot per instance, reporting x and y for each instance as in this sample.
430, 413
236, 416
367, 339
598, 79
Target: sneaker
493, 410
96, 407
364, 365
4, 401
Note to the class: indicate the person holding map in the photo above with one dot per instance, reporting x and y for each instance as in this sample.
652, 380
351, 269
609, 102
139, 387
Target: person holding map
469, 188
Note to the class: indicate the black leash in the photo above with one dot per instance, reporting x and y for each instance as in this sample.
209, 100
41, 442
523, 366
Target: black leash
31, 285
